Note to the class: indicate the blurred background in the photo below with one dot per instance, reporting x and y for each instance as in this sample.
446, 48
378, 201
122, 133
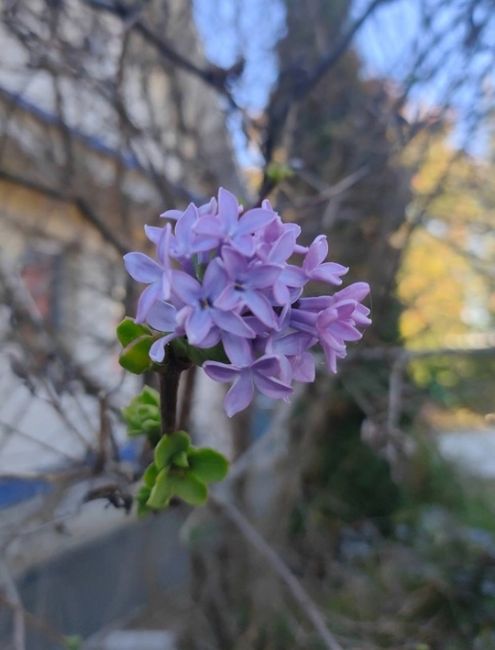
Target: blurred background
368, 120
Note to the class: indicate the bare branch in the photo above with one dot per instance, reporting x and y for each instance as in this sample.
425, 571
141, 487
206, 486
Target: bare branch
12, 594
300, 595
86, 210
213, 77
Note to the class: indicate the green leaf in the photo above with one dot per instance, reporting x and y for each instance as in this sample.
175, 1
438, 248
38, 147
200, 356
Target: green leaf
141, 498
161, 491
189, 488
149, 476
181, 460
135, 356
208, 465
142, 415
149, 396
145, 412
128, 330
169, 446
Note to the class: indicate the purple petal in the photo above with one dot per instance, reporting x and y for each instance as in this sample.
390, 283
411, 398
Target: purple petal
238, 349
260, 307
186, 288
346, 331
210, 226
153, 233
229, 299
292, 344
171, 214
235, 263
303, 368
157, 350
245, 244
212, 339
345, 308
269, 364
317, 303
293, 276
198, 325
221, 372
231, 322
271, 387
184, 230
329, 272
331, 356
316, 254
240, 395
228, 208
204, 243
164, 245
326, 317
166, 286
283, 248
208, 208
281, 293
146, 300
328, 339
360, 315
215, 279
142, 268
162, 316
356, 291
254, 220
263, 275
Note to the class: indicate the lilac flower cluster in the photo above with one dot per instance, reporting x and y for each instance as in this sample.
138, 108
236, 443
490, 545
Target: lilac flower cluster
222, 275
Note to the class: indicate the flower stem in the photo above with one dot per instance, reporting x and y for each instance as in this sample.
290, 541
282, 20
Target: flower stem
169, 386
169, 376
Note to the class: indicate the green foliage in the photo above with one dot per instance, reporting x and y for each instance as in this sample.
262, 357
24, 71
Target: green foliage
434, 481
161, 491
73, 642
357, 482
189, 488
169, 446
136, 341
179, 470
278, 172
150, 475
142, 416
128, 330
142, 497
208, 465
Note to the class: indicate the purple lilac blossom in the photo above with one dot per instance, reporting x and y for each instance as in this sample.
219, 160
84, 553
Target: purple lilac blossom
224, 275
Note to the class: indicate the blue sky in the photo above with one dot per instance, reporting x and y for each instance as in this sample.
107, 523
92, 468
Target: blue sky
387, 43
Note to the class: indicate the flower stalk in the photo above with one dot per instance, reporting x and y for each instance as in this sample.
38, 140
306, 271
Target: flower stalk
169, 378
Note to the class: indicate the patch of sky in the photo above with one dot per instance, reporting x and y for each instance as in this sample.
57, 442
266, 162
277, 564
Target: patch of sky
233, 30
399, 39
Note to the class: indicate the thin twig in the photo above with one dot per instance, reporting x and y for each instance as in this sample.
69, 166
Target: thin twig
297, 591
12, 594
